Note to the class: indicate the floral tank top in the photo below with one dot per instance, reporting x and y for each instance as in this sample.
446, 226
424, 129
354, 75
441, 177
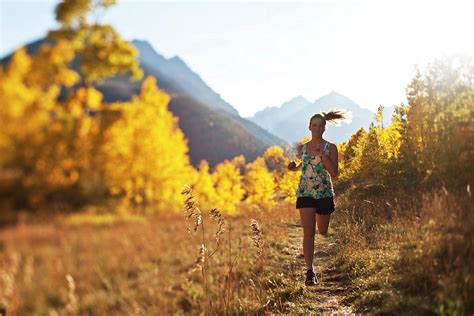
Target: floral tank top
315, 180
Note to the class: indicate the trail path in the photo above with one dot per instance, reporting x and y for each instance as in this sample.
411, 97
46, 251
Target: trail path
327, 296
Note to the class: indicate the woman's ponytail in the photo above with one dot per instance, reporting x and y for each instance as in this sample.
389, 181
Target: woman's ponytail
334, 116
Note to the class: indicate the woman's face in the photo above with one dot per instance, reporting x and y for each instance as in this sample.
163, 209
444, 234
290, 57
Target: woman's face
317, 126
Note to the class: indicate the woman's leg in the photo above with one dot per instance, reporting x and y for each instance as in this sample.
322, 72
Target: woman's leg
308, 220
323, 223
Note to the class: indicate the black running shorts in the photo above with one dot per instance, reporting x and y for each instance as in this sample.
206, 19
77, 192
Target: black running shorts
323, 206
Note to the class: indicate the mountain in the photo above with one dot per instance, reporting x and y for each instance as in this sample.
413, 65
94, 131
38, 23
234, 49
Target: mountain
270, 116
184, 79
290, 121
214, 129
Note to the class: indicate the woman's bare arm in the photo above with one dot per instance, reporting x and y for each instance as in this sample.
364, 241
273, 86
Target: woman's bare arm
293, 166
331, 162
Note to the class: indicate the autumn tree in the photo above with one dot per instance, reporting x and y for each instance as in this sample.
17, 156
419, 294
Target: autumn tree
145, 153
35, 125
58, 138
203, 187
378, 118
347, 155
100, 51
429, 141
259, 184
441, 122
276, 161
228, 183
287, 186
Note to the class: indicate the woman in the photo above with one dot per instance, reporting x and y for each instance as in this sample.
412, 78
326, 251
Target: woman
315, 194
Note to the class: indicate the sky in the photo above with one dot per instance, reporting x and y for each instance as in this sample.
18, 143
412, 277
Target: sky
260, 54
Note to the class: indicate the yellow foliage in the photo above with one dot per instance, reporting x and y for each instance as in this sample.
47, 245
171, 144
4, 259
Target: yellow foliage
25, 111
105, 54
440, 125
228, 183
304, 140
203, 187
66, 159
238, 161
369, 157
48, 143
51, 65
74, 148
259, 185
89, 98
276, 161
391, 140
102, 52
145, 153
428, 141
288, 186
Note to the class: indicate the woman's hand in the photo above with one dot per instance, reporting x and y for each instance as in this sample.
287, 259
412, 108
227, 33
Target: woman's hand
319, 151
292, 166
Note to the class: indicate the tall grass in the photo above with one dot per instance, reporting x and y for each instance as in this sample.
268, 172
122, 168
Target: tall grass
227, 284
145, 267
405, 252
409, 252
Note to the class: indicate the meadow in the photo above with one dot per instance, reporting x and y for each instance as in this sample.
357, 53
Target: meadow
137, 267
393, 253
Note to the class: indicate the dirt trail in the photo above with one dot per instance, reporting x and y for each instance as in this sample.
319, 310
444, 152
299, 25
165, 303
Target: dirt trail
327, 296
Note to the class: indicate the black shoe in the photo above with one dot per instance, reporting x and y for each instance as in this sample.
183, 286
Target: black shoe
310, 278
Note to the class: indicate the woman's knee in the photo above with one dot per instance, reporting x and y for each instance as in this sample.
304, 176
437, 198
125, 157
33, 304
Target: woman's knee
323, 232
323, 224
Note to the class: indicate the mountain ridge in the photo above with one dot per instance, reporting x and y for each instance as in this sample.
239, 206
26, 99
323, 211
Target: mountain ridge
292, 126
214, 129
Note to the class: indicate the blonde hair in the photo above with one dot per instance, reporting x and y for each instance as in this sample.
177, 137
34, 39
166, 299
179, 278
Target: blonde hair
334, 116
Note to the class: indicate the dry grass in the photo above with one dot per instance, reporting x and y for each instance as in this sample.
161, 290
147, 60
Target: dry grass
142, 267
404, 253
409, 252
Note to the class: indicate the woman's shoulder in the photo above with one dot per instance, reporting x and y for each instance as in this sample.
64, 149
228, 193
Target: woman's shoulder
332, 146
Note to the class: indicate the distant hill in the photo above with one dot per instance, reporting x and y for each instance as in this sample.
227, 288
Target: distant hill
214, 129
290, 121
271, 116
184, 80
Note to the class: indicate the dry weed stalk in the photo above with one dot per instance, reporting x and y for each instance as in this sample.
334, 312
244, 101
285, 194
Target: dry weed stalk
257, 236
9, 298
191, 209
72, 305
221, 224
217, 216
201, 258
202, 261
